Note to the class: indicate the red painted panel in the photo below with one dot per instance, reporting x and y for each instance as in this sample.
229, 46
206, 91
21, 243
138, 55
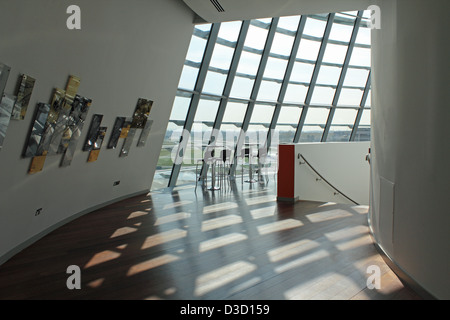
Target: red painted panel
286, 173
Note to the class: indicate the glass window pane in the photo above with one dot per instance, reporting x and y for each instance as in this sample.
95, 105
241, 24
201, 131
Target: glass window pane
256, 37
234, 113
289, 115
295, 93
363, 133
308, 49
335, 53
316, 116
344, 117
289, 23
350, 97
214, 83
329, 75
282, 44
232, 123
221, 57
369, 100
206, 111
364, 36
302, 72
204, 27
365, 118
311, 134
262, 114
269, 91
188, 78
275, 68
323, 96
356, 77
259, 123
196, 49
249, 63
339, 134
230, 30
314, 27
341, 32
361, 57
242, 87
314, 124
180, 108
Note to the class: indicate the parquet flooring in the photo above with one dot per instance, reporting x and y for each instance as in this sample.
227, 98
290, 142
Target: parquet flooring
236, 244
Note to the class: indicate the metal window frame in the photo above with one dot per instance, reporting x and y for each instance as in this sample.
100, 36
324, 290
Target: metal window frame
362, 107
256, 86
213, 35
314, 76
286, 79
342, 76
204, 66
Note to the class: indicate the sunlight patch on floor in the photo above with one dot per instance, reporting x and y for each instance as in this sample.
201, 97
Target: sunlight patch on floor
123, 231
102, 257
222, 276
221, 241
151, 263
163, 237
221, 222
263, 212
278, 226
328, 215
219, 207
302, 261
137, 214
177, 204
346, 232
172, 218
291, 250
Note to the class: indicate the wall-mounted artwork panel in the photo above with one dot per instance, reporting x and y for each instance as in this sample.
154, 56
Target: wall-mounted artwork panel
24, 91
116, 132
56, 106
141, 113
93, 132
125, 128
93, 154
144, 134
60, 127
4, 75
128, 142
77, 118
37, 164
6, 106
72, 86
37, 130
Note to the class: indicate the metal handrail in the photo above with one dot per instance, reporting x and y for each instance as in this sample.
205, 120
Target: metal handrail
322, 178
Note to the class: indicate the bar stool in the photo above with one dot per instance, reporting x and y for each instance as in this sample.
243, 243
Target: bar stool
262, 157
208, 160
244, 154
225, 163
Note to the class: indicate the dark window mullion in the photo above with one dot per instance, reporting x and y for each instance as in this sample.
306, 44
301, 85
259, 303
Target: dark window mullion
314, 76
194, 102
255, 90
286, 79
342, 76
361, 108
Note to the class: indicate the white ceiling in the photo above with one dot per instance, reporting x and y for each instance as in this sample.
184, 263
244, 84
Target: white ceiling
254, 9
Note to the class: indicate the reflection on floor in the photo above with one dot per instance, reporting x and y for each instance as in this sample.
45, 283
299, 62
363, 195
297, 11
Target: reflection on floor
236, 243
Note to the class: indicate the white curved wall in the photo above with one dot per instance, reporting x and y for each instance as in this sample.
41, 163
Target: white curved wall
410, 214
125, 50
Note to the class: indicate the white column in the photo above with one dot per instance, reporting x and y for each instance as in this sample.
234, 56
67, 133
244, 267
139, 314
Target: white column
410, 210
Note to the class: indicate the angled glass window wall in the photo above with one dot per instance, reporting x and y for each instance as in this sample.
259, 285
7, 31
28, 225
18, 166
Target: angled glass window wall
293, 79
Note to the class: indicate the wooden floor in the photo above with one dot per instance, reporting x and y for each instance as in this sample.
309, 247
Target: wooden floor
201, 245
